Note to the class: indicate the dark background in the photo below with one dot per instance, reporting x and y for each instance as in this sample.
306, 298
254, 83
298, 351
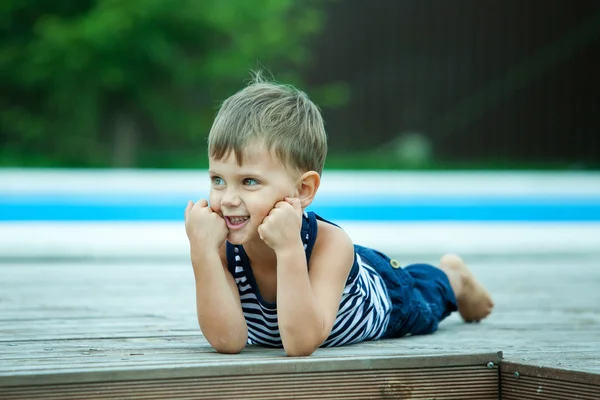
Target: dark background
419, 84
516, 81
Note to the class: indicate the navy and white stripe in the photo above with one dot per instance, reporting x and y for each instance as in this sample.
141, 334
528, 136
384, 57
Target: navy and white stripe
363, 313
364, 310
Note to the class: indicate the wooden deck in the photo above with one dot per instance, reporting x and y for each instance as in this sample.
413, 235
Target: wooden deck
72, 323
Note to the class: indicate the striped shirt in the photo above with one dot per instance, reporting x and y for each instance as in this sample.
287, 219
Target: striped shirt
364, 310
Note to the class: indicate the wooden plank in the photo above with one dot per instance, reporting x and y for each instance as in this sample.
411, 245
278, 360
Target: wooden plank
521, 381
236, 366
367, 381
73, 317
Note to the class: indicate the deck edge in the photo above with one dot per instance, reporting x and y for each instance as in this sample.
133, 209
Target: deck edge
254, 367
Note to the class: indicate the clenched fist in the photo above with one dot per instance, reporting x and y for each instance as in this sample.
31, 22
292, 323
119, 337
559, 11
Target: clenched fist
203, 226
283, 224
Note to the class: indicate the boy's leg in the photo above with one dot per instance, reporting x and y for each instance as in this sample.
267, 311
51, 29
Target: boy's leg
474, 301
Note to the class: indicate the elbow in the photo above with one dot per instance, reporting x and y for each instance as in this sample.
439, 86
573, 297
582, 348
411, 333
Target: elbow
227, 343
228, 346
301, 342
301, 348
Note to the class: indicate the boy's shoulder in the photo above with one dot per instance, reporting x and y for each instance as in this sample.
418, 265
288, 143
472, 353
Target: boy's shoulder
331, 238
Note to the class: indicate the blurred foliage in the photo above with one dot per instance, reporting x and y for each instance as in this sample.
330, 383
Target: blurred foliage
379, 159
137, 82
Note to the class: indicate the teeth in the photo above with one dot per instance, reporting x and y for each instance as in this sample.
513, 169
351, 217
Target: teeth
237, 220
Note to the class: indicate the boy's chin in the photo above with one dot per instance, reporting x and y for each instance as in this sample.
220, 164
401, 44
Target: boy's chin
241, 239
236, 238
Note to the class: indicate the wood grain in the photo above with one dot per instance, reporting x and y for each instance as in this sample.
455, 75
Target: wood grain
68, 318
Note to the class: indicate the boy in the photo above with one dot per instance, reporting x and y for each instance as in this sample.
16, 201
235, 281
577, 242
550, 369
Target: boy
269, 273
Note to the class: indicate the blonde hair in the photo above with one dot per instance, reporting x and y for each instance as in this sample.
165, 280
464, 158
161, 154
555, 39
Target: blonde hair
278, 116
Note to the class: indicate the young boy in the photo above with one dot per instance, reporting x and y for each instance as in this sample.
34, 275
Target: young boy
271, 274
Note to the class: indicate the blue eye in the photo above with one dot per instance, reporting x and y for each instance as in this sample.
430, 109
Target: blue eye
250, 182
217, 181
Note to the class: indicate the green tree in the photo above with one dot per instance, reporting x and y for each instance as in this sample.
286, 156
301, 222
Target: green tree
102, 82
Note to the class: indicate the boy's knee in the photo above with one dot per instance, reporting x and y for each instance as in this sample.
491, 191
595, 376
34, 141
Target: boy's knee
451, 259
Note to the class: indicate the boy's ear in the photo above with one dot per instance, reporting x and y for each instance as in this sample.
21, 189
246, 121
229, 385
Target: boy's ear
307, 187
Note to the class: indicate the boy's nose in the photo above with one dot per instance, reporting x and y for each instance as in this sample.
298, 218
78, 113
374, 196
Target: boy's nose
230, 199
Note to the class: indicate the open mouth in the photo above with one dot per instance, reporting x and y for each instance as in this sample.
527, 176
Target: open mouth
236, 222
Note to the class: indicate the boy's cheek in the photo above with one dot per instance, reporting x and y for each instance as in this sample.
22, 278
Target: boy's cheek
214, 203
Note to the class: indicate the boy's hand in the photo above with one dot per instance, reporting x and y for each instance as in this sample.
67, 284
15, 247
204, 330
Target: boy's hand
203, 226
283, 224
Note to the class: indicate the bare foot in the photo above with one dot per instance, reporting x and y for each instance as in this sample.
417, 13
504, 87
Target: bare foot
474, 301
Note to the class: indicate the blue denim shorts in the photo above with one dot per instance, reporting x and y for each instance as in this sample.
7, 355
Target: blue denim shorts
421, 294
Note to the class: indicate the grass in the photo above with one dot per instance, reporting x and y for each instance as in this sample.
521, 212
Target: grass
380, 160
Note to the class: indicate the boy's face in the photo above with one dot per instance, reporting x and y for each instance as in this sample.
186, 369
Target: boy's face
244, 195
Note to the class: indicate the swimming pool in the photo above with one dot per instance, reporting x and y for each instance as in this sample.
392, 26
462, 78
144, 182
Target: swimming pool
95, 213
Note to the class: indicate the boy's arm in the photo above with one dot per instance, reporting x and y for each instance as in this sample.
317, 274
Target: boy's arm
218, 303
308, 300
217, 300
